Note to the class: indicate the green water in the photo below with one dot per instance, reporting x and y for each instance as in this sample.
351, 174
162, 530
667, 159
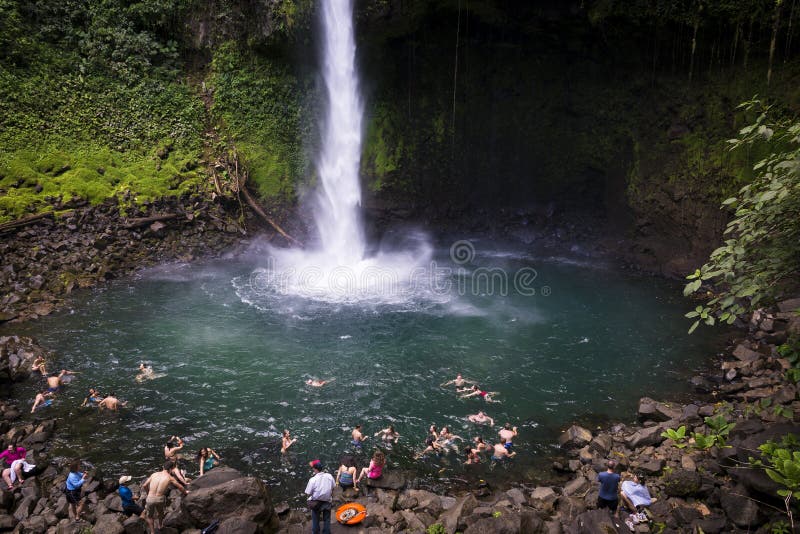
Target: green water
235, 361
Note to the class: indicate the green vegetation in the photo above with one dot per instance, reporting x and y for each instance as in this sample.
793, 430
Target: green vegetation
678, 436
781, 461
261, 106
760, 257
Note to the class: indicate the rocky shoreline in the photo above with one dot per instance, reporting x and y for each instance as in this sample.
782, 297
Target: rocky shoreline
696, 489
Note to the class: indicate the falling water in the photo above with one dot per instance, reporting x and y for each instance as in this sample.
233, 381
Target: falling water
339, 197
338, 268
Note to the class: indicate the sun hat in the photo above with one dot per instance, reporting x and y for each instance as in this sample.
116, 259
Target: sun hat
124, 479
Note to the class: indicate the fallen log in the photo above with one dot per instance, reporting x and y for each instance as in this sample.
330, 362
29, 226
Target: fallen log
25, 221
260, 211
141, 221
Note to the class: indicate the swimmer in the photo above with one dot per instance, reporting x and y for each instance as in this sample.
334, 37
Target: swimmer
431, 445
472, 457
434, 431
207, 459
286, 441
358, 437
448, 439
145, 372
389, 435
475, 391
500, 453
111, 402
480, 418
92, 398
507, 435
480, 446
459, 381
41, 400
317, 383
39, 365
56, 380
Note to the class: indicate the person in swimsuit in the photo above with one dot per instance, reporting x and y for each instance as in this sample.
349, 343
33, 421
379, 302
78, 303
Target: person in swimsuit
358, 437
433, 430
317, 383
448, 439
55, 381
472, 457
172, 448
431, 445
145, 372
39, 365
389, 435
500, 453
507, 435
157, 486
480, 418
42, 400
286, 441
111, 402
375, 469
475, 391
92, 398
459, 381
207, 459
480, 446
346, 475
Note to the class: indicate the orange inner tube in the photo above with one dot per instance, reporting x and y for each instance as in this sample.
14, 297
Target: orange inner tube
351, 513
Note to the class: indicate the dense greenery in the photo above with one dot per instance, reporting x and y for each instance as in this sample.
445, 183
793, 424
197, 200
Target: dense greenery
263, 112
761, 252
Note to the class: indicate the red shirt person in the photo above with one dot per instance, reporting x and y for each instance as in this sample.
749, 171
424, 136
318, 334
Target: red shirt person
13, 453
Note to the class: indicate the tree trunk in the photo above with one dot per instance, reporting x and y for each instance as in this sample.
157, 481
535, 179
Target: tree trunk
694, 44
789, 33
775, 25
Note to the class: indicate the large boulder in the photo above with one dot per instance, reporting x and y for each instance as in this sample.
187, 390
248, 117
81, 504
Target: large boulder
243, 497
575, 437
389, 480
595, 521
682, 483
463, 507
755, 480
645, 437
742, 511
109, 524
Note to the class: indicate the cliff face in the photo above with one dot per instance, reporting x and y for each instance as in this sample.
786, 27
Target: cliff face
608, 116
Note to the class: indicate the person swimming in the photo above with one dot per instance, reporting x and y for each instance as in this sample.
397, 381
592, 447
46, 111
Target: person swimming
389, 436
475, 391
146, 372
317, 383
480, 418
358, 437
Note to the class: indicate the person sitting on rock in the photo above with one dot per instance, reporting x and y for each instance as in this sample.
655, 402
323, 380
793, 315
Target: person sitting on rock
207, 459
39, 365
111, 402
375, 469
13, 453
346, 475
43, 399
635, 496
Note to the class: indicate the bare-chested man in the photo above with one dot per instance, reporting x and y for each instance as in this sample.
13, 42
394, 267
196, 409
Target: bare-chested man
500, 453
480, 418
317, 383
157, 486
507, 435
459, 381
358, 437
111, 402
54, 381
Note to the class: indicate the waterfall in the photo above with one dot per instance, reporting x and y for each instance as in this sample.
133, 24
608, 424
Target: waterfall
339, 196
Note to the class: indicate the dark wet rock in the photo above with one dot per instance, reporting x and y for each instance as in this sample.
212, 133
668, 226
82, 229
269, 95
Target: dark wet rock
789, 305
32, 525
574, 437
244, 497
503, 522
135, 525
741, 510
463, 507
108, 524
710, 525
595, 521
756, 480
389, 480
685, 515
681, 483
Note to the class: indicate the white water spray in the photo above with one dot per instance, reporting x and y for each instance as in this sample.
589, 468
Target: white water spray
338, 269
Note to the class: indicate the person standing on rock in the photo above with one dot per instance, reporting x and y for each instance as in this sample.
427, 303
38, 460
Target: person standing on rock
156, 487
75, 481
609, 482
319, 489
